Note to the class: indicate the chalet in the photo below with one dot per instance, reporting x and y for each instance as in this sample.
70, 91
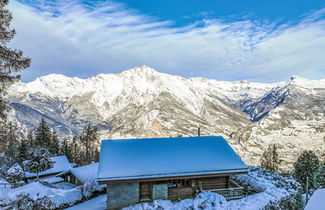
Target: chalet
61, 164
142, 170
80, 175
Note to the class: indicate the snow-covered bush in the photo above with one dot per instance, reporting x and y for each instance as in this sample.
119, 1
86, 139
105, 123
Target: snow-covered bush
25, 202
208, 200
39, 196
276, 191
88, 188
15, 174
205, 200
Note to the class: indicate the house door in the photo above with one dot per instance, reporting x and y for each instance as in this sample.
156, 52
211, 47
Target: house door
145, 191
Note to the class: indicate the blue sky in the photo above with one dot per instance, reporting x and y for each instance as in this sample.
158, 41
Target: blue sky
184, 12
254, 40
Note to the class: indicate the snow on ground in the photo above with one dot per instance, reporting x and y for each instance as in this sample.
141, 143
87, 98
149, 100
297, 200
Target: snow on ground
98, 203
53, 180
205, 200
273, 187
36, 190
64, 185
317, 200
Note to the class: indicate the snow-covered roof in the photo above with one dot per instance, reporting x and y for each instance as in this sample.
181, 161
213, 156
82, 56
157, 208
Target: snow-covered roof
167, 157
61, 163
86, 173
83, 173
317, 201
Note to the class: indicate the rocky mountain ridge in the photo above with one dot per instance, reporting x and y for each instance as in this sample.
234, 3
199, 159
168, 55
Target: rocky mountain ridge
142, 102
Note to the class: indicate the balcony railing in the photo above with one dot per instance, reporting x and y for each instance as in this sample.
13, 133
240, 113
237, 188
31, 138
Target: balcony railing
235, 191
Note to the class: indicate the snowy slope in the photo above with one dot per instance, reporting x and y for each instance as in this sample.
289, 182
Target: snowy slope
292, 116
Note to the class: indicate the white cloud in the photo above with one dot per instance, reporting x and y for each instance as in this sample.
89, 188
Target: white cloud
76, 40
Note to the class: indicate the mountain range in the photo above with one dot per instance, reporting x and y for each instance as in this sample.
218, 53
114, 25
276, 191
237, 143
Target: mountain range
142, 102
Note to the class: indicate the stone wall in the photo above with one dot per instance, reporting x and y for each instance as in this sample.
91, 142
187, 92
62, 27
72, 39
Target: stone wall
122, 195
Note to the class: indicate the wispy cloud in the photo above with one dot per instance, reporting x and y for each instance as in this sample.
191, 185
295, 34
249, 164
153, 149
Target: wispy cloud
83, 40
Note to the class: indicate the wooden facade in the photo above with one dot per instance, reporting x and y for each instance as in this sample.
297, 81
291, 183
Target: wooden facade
179, 189
71, 178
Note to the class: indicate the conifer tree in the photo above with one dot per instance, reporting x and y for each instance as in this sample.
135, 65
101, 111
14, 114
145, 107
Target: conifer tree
306, 165
11, 61
270, 158
43, 135
319, 180
12, 137
76, 152
22, 151
65, 148
23, 155
39, 160
89, 140
30, 139
54, 145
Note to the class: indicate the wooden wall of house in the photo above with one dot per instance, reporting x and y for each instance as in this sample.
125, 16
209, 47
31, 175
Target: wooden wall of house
72, 179
184, 188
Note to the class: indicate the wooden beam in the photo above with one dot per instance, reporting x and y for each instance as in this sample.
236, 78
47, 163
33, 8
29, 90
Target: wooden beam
167, 178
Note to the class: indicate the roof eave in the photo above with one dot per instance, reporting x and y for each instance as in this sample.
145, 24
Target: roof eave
127, 179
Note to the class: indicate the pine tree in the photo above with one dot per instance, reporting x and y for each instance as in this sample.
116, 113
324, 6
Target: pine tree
22, 151
65, 148
319, 180
12, 137
54, 146
39, 160
43, 135
270, 158
11, 61
23, 155
306, 165
89, 140
30, 139
76, 151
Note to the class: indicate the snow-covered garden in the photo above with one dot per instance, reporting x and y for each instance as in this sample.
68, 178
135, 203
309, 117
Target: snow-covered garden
270, 190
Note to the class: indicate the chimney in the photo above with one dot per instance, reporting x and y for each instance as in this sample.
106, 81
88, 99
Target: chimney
198, 132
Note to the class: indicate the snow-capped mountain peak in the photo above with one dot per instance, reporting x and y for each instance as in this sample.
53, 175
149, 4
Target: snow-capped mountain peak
307, 83
142, 102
